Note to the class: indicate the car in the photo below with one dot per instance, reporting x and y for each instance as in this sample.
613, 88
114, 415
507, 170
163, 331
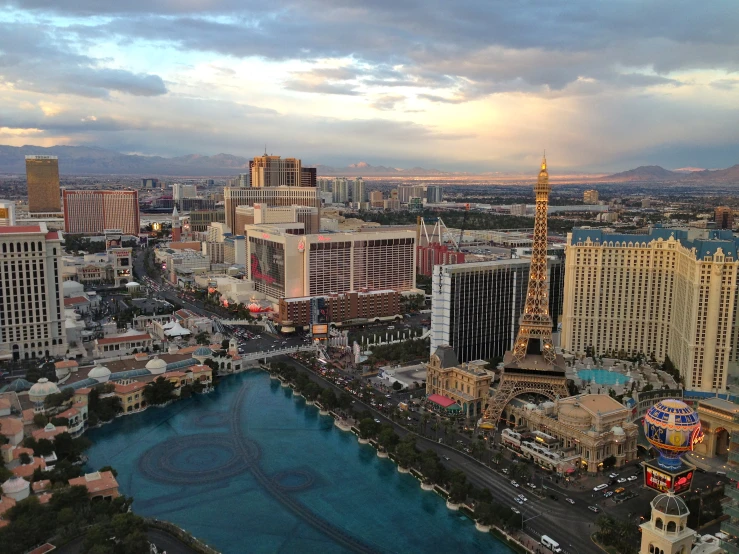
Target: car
600, 487
446, 458
516, 510
531, 486
388, 396
613, 475
409, 418
505, 470
570, 500
377, 420
633, 478
517, 499
594, 509
622, 480
515, 484
608, 494
522, 497
619, 490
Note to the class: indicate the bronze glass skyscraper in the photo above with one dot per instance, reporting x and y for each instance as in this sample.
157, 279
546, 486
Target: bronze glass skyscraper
42, 176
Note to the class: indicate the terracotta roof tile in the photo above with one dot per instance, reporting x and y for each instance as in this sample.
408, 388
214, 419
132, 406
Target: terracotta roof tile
96, 482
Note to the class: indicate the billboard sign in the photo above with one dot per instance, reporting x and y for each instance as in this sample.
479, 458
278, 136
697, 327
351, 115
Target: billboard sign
682, 482
657, 480
664, 481
268, 264
319, 329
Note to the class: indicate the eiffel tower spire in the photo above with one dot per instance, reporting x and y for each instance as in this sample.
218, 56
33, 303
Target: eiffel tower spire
535, 325
532, 366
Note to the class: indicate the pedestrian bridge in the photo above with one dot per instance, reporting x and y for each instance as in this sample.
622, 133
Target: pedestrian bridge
272, 352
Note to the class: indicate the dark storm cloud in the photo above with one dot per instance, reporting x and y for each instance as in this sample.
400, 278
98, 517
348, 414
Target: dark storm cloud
35, 58
493, 45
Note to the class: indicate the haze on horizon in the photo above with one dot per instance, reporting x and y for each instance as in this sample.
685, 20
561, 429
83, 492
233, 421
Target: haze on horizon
470, 85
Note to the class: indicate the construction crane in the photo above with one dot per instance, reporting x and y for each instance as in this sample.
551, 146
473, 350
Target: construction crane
464, 222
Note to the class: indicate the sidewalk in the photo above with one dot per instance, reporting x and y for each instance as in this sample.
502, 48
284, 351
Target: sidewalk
708, 464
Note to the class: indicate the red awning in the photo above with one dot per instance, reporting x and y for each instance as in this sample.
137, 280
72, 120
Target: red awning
442, 401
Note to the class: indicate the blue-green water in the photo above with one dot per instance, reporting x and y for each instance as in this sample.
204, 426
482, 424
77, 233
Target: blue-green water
248, 468
603, 376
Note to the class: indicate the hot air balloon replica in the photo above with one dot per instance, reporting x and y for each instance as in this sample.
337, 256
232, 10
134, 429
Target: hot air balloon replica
673, 428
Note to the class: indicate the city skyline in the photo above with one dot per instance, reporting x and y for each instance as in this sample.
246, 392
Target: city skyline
466, 87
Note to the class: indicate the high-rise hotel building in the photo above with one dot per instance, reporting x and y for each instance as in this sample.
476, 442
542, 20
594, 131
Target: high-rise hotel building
269, 196
31, 299
42, 177
89, 212
273, 171
475, 307
284, 263
671, 292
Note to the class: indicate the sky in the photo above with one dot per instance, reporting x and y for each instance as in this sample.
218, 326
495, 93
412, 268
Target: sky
462, 85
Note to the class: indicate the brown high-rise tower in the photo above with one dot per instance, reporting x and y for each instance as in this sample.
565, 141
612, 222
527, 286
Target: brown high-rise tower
42, 177
532, 366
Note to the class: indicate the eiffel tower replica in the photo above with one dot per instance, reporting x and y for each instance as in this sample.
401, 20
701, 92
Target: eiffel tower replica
533, 366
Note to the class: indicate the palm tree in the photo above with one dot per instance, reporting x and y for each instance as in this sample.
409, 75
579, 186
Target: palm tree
497, 457
424, 420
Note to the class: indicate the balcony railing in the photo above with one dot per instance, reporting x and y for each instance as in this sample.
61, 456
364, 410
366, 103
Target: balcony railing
732, 510
731, 492
730, 547
730, 528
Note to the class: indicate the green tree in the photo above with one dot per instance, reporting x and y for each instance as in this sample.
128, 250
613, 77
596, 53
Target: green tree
609, 462
397, 385
388, 438
328, 399
159, 392
368, 428
405, 452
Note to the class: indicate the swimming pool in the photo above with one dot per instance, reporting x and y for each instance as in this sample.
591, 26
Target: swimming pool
603, 376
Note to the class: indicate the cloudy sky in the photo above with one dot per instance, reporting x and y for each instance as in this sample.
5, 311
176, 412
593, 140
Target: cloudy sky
476, 85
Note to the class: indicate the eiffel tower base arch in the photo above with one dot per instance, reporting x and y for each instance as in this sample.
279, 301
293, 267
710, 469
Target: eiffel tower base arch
513, 384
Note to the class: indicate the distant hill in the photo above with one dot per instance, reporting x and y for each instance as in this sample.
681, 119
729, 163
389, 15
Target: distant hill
655, 173
644, 173
85, 160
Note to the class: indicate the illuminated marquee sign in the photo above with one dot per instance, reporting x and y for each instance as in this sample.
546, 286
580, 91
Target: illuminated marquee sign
319, 329
682, 482
664, 481
657, 480
322, 238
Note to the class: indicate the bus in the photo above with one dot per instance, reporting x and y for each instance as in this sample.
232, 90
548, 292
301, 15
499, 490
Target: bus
551, 544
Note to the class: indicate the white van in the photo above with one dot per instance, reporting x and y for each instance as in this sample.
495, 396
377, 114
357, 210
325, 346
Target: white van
551, 544
600, 487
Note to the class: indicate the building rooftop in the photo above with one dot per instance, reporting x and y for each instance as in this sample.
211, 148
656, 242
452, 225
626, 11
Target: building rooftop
96, 482
16, 229
447, 356
705, 243
126, 337
596, 404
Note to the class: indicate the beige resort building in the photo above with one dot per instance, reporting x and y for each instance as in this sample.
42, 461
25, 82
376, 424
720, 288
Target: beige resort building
594, 426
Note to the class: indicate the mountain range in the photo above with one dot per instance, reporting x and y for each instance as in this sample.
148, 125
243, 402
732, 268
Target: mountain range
85, 160
655, 173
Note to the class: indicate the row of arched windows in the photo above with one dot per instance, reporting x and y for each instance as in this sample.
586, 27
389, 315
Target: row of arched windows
10, 247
